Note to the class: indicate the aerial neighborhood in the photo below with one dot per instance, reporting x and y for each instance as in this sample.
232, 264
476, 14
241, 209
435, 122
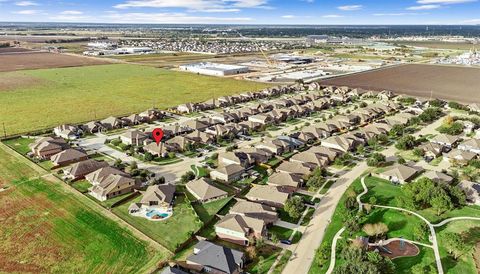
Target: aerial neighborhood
241, 178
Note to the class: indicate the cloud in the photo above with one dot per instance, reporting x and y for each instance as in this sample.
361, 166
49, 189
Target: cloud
444, 2
26, 3
332, 16
289, 16
350, 7
71, 12
195, 5
398, 14
471, 21
424, 7
170, 18
27, 12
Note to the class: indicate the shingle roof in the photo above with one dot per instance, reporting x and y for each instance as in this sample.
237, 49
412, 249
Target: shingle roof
203, 190
216, 257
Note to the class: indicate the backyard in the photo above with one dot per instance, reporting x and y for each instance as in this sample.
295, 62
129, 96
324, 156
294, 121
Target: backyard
170, 232
63, 96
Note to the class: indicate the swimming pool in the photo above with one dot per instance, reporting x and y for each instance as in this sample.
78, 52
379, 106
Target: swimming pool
155, 214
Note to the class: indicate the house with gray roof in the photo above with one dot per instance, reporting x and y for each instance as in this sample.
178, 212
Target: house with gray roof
211, 258
68, 156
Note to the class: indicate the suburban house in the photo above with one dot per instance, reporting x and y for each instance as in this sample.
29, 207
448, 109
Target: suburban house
80, 169
45, 147
262, 119
310, 159
179, 143
200, 137
155, 196
172, 270
472, 145
472, 191
398, 174
293, 168
459, 156
432, 150
133, 119
240, 229
340, 143
329, 153
204, 192
112, 186
187, 108
257, 156
67, 131
228, 173
151, 114
438, 177
111, 123
171, 131
93, 126
134, 137
196, 125
474, 107
160, 150
96, 177
68, 156
211, 258
288, 182
446, 140
255, 210
234, 157
319, 133
268, 195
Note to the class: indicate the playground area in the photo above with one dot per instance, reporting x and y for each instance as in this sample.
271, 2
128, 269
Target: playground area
396, 249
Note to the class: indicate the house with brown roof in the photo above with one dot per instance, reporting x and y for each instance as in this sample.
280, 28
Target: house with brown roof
67, 131
459, 156
317, 132
80, 169
196, 125
46, 147
179, 143
171, 131
240, 229
187, 108
133, 119
205, 192
310, 159
472, 191
432, 150
289, 182
111, 186
156, 196
151, 115
339, 142
438, 177
262, 119
255, 210
93, 127
68, 156
268, 195
399, 174
160, 150
96, 177
293, 168
134, 137
329, 153
446, 140
111, 123
228, 173
201, 137
471, 145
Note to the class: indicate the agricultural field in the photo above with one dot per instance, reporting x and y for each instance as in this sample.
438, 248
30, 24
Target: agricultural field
418, 80
39, 60
38, 99
437, 45
46, 230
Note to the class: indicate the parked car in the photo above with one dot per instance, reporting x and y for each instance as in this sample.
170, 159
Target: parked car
287, 242
308, 202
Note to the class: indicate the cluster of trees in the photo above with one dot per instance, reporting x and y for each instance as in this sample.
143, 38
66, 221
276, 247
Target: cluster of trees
376, 160
455, 105
316, 178
406, 142
425, 193
343, 160
450, 126
430, 115
407, 100
187, 177
294, 206
360, 261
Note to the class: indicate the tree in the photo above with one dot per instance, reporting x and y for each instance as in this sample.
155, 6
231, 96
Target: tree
274, 238
406, 142
361, 149
118, 163
261, 263
376, 160
323, 254
188, 176
148, 156
294, 206
352, 225
418, 152
375, 230
455, 245
372, 200
420, 230
133, 165
251, 252
397, 130
441, 203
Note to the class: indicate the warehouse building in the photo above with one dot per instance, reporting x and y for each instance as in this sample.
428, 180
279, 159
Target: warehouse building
214, 69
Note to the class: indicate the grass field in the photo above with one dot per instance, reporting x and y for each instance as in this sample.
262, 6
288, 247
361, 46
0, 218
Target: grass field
470, 232
425, 257
70, 95
12, 168
170, 232
208, 210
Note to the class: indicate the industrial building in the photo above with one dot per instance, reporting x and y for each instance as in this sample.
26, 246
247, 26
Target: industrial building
214, 69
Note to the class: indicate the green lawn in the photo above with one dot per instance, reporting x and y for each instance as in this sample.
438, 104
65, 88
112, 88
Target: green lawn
269, 254
283, 262
470, 232
20, 144
46, 229
327, 186
13, 168
81, 185
284, 216
208, 210
170, 232
79, 94
284, 233
308, 216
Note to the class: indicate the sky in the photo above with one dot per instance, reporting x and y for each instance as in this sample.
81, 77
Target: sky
289, 12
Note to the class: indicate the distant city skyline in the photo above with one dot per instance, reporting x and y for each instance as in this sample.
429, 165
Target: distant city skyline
292, 12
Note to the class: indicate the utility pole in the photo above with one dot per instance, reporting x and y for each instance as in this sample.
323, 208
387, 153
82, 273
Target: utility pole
4, 130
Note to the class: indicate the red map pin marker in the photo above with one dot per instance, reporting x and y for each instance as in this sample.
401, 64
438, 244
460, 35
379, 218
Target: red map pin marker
157, 135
